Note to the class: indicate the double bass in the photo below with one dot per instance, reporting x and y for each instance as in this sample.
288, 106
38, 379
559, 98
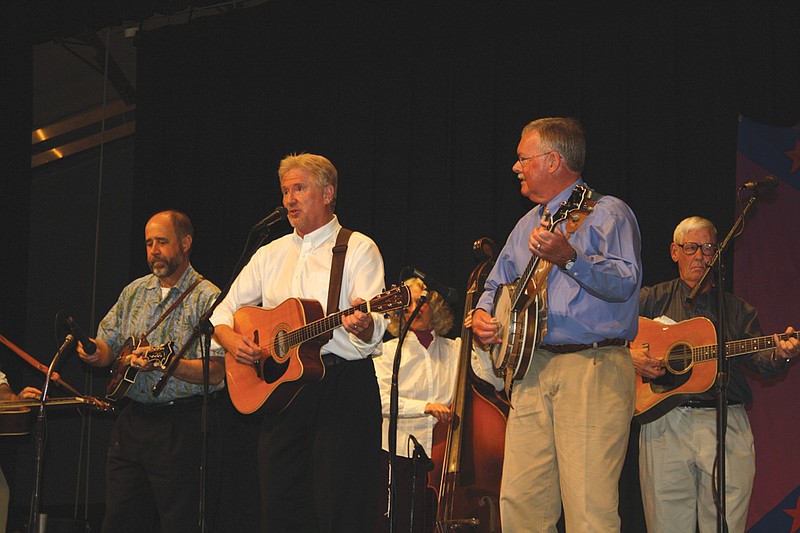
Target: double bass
468, 451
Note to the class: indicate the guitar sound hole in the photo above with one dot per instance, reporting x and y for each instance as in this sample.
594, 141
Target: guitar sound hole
280, 346
679, 358
679, 370
273, 369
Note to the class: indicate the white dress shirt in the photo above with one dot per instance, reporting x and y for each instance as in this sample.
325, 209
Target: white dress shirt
426, 376
300, 267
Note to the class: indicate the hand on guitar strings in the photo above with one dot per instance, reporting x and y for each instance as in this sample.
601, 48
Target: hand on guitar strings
485, 328
550, 245
32, 393
139, 361
358, 323
646, 365
243, 349
788, 349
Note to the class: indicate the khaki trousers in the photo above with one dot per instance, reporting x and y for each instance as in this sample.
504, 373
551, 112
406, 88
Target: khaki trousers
676, 461
565, 441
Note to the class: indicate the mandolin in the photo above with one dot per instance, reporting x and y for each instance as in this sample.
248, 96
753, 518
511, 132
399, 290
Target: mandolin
123, 375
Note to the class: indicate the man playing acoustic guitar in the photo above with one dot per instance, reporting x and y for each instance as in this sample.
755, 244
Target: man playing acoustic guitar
153, 469
568, 429
319, 455
677, 449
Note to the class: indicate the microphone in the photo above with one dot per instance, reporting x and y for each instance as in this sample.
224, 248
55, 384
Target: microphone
448, 293
88, 346
276, 216
419, 453
766, 184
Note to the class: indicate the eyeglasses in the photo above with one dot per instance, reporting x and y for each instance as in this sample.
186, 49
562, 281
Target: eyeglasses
523, 159
690, 248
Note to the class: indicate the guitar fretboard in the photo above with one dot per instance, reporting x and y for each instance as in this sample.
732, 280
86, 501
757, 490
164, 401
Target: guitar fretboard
576, 201
395, 298
319, 327
736, 348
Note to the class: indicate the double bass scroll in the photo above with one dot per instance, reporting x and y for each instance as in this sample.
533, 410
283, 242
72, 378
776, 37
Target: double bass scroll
469, 461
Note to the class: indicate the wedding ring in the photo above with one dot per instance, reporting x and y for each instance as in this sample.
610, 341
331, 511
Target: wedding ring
539, 246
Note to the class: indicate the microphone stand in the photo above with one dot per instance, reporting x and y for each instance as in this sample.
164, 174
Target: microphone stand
413, 511
394, 407
255, 239
41, 431
417, 457
722, 359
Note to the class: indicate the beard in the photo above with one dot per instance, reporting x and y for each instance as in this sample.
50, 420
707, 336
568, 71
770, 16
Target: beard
163, 268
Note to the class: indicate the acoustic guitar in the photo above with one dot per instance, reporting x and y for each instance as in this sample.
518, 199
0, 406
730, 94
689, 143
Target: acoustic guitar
290, 339
123, 375
688, 350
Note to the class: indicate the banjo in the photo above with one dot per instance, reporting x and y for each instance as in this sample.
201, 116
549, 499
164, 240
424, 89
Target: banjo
520, 306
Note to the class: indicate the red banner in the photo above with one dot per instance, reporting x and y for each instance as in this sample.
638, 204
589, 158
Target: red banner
767, 271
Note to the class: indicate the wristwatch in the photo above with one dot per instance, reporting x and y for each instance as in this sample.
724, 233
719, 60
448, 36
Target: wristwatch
571, 262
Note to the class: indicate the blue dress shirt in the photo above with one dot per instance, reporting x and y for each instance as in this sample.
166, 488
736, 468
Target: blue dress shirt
598, 297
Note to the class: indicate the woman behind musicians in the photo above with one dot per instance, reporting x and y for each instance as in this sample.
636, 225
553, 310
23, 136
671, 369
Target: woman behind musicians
426, 381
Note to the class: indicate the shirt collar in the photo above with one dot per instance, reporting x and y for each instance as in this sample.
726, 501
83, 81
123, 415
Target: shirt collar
320, 235
554, 204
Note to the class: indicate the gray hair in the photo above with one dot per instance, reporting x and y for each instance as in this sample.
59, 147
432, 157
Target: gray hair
564, 135
319, 167
691, 224
441, 314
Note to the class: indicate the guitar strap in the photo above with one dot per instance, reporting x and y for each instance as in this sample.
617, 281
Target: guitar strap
577, 218
117, 388
175, 304
337, 271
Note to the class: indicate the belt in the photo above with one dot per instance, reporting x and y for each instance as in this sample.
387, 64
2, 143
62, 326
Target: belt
331, 359
188, 401
572, 348
704, 404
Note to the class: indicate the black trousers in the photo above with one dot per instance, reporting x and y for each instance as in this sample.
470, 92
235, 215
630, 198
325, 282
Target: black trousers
153, 468
319, 458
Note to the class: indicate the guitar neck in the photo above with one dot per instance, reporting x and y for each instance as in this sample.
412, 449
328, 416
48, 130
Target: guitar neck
322, 326
519, 288
51, 402
740, 347
575, 202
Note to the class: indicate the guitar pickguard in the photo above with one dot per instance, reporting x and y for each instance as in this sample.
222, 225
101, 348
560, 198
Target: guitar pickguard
669, 382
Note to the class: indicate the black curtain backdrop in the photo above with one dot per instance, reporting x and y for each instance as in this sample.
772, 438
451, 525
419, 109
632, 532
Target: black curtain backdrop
419, 106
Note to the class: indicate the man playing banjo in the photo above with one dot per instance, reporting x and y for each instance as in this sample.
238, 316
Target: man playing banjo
568, 431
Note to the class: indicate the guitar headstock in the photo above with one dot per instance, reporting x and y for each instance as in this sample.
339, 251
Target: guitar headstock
575, 202
161, 355
391, 300
100, 405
